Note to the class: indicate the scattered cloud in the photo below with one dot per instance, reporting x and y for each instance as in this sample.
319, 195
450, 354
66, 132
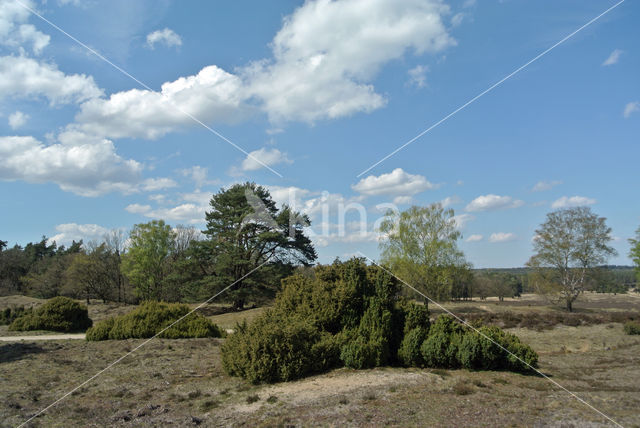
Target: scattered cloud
474, 238
402, 200
155, 184
573, 201
461, 220
15, 32
27, 78
396, 183
418, 76
268, 157
502, 237
544, 185
613, 57
166, 37
450, 200
631, 108
17, 119
69, 232
492, 203
90, 168
198, 174
315, 75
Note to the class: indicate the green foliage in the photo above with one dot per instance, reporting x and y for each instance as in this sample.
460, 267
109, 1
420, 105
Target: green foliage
409, 353
57, 314
152, 317
421, 248
345, 314
146, 262
245, 229
273, 349
632, 327
8, 315
440, 349
634, 253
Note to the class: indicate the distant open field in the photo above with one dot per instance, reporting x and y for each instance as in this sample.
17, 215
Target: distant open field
181, 382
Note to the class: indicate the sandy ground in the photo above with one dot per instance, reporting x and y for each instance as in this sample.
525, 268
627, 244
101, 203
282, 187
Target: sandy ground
42, 337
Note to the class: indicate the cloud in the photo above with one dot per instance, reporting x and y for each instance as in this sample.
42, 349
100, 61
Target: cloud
395, 183
89, 168
17, 119
450, 200
402, 200
418, 76
541, 186
212, 95
183, 213
502, 237
198, 174
613, 57
15, 32
315, 74
268, 157
573, 201
461, 220
155, 184
631, 108
69, 232
492, 203
26, 77
474, 238
312, 74
165, 36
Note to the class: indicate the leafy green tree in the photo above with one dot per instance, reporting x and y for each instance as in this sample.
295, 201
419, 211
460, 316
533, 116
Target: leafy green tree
634, 253
420, 246
567, 246
88, 275
146, 262
245, 230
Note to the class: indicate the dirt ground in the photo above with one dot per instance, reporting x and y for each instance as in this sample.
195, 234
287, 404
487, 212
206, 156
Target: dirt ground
181, 383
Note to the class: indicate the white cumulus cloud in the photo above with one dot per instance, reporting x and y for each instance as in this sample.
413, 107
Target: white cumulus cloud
259, 158
166, 36
14, 30
493, 202
573, 201
69, 232
396, 183
17, 119
502, 237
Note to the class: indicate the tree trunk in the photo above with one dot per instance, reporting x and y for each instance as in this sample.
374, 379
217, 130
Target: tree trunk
569, 305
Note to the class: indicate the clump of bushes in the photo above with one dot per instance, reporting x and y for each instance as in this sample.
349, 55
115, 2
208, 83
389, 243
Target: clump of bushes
57, 314
8, 315
350, 314
149, 318
632, 327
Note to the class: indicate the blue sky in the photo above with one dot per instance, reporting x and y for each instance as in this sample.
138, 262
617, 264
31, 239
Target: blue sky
319, 91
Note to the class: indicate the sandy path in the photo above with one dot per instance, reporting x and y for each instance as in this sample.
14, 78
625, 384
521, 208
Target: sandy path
42, 337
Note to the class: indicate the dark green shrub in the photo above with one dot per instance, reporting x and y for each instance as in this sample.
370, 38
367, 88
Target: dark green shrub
273, 349
409, 353
417, 316
441, 346
494, 349
150, 318
371, 345
57, 314
8, 315
632, 327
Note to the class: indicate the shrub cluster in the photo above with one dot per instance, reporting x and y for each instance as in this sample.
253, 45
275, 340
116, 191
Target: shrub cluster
151, 317
632, 327
349, 314
57, 314
8, 315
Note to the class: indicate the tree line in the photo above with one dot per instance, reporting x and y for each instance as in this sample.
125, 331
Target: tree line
249, 245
